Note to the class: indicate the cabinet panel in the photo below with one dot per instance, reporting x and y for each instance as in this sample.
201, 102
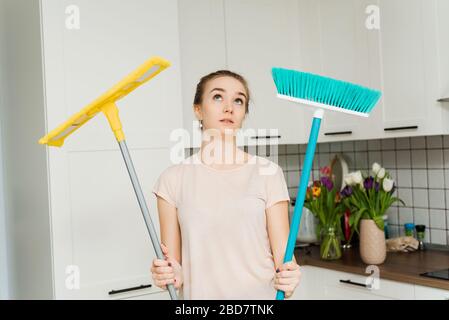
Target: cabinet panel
202, 43
409, 70
333, 288
334, 43
162, 295
442, 8
97, 225
112, 40
261, 35
428, 293
108, 239
402, 61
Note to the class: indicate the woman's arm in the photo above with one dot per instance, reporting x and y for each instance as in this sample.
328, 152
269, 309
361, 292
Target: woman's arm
288, 275
170, 230
278, 229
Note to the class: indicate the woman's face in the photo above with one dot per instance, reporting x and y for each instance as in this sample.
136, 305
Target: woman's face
223, 105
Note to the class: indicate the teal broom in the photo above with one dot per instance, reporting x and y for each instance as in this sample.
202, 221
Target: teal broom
322, 93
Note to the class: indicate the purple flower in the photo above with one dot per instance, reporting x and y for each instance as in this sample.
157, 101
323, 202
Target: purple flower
368, 183
327, 182
346, 192
377, 186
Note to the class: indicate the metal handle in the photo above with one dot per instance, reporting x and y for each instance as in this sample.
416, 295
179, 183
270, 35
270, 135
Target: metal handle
400, 128
264, 137
144, 209
337, 133
354, 283
112, 292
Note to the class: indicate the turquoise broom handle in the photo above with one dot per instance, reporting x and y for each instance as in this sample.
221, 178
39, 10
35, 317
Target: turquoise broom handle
303, 182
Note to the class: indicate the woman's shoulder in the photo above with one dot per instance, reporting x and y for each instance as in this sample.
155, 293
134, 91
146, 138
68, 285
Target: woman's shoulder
266, 164
178, 165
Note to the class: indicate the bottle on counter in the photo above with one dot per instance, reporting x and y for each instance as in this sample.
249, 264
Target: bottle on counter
409, 229
420, 232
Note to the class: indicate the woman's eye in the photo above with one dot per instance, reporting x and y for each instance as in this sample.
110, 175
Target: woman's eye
217, 96
239, 101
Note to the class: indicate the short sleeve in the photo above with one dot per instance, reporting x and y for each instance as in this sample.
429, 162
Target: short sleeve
276, 188
166, 186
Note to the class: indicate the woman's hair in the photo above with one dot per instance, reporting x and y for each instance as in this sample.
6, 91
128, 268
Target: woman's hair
220, 73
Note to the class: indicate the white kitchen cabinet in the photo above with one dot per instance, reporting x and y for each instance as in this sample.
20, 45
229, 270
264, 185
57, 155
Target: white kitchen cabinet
408, 48
335, 43
203, 46
405, 58
327, 284
90, 232
428, 293
311, 285
323, 283
160, 295
260, 35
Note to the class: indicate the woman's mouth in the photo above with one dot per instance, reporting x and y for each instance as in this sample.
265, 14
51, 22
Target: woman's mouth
226, 121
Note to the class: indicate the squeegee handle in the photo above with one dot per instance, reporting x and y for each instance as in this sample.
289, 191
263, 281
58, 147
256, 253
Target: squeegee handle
144, 209
110, 110
301, 195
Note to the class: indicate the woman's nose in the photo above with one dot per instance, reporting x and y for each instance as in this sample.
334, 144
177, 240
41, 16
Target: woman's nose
228, 107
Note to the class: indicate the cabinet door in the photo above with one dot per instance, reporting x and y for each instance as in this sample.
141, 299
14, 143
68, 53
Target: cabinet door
331, 284
260, 35
161, 295
428, 293
408, 68
335, 43
311, 286
98, 232
202, 43
350, 286
442, 10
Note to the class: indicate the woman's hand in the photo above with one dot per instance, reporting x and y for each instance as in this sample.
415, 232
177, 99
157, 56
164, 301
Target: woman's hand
287, 278
166, 271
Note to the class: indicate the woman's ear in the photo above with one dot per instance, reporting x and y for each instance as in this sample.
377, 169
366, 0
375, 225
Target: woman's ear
198, 111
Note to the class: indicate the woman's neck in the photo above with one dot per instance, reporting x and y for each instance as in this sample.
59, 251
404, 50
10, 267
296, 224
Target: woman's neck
222, 153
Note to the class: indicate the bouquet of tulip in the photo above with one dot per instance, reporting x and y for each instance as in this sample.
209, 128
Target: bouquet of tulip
370, 196
324, 201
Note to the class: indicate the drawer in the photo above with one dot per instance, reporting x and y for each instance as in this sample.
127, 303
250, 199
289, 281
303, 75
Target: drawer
356, 283
428, 293
161, 295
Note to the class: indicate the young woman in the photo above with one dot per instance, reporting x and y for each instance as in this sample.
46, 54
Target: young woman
223, 213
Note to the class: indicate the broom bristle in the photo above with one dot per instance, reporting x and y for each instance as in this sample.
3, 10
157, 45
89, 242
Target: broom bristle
326, 91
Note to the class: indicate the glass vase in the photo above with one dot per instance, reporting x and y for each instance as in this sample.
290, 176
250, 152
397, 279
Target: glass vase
330, 248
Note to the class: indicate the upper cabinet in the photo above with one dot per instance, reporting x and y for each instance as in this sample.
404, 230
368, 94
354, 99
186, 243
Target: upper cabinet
260, 35
399, 47
409, 67
97, 227
336, 43
203, 46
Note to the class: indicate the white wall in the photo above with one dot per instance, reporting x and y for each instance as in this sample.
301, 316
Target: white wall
24, 161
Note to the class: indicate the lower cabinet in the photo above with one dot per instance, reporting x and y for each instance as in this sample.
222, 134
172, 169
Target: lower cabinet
161, 295
427, 293
325, 284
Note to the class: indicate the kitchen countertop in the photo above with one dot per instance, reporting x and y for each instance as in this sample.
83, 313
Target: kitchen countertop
398, 266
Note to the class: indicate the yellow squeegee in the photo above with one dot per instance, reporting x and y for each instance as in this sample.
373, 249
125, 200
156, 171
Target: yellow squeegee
106, 104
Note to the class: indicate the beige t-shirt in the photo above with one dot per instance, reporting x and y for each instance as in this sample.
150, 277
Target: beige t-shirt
226, 253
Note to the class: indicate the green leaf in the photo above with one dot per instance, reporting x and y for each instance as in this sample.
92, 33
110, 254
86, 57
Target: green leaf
379, 222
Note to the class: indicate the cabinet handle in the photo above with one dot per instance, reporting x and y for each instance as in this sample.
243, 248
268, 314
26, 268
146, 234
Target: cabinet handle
400, 128
443, 100
354, 283
264, 137
112, 292
337, 133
